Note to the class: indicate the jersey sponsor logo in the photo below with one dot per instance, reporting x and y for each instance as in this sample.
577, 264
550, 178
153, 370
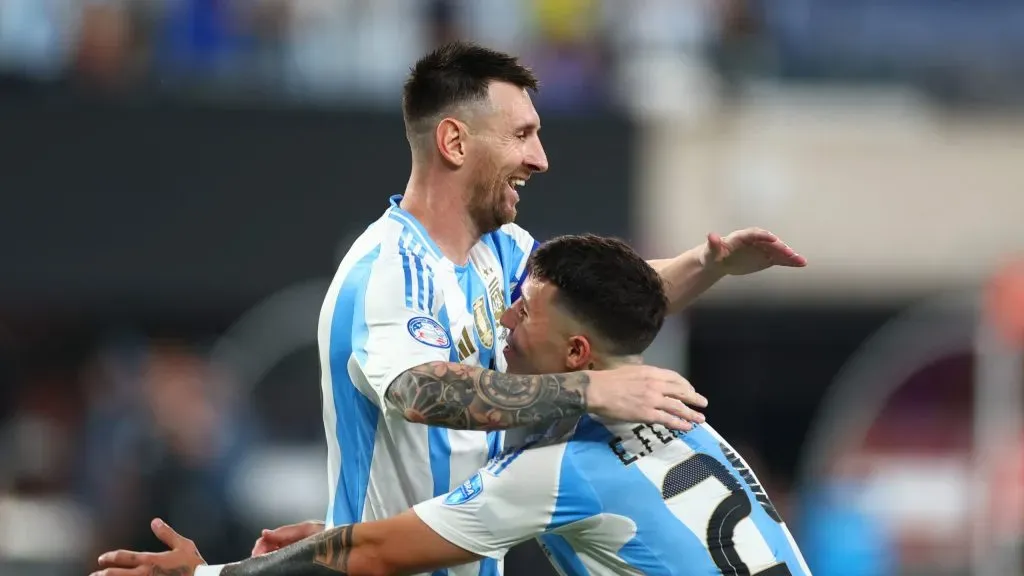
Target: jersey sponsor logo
467, 491
483, 323
429, 332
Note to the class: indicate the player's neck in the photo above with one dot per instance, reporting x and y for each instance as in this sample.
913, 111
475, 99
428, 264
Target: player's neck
443, 215
613, 362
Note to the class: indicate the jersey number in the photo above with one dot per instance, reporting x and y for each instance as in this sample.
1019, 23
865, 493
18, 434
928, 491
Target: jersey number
726, 516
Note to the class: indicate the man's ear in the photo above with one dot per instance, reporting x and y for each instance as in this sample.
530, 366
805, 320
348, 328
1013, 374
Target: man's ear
451, 137
579, 354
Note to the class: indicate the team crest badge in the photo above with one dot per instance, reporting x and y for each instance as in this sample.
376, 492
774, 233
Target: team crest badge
497, 298
467, 491
429, 332
483, 323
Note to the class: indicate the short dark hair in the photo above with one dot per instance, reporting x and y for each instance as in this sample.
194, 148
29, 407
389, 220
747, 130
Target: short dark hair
605, 285
458, 73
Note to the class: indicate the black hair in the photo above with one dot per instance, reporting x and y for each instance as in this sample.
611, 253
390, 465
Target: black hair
605, 285
457, 73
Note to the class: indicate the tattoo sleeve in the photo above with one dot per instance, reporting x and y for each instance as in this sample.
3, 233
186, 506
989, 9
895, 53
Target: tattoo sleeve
470, 398
324, 554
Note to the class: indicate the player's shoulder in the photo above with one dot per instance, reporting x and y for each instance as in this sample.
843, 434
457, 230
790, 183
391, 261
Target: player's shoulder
512, 232
403, 244
510, 243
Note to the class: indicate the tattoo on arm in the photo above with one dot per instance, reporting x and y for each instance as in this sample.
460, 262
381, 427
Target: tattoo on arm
323, 554
471, 398
332, 552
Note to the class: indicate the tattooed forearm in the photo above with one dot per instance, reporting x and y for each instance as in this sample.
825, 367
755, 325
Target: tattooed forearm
323, 554
471, 398
333, 551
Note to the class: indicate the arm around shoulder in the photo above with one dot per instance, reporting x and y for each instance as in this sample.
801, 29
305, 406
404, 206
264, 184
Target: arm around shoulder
461, 397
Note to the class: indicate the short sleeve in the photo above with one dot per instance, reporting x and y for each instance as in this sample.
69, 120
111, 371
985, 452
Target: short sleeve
403, 324
515, 498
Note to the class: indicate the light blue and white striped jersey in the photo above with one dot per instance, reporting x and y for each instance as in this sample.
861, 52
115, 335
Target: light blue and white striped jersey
396, 303
617, 498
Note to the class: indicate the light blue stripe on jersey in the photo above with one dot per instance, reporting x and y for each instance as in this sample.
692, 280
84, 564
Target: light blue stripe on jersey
511, 256
412, 224
473, 287
411, 252
703, 441
662, 544
488, 567
356, 431
438, 444
562, 554
494, 443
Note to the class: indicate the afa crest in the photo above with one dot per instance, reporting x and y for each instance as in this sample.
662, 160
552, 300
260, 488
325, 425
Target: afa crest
484, 328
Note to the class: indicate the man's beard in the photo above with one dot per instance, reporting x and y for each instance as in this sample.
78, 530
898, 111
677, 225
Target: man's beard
488, 205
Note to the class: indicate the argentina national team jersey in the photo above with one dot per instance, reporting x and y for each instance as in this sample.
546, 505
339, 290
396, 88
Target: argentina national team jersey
619, 498
396, 303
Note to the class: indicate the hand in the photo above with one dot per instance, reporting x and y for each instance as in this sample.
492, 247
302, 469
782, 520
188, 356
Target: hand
278, 538
644, 394
748, 251
180, 560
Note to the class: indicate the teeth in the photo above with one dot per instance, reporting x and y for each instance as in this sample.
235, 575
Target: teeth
517, 182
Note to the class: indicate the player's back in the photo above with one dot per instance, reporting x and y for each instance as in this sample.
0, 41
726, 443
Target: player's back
665, 503
612, 499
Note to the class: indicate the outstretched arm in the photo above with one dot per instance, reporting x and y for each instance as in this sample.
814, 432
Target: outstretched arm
691, 273
685, 278
399, 545
403, 544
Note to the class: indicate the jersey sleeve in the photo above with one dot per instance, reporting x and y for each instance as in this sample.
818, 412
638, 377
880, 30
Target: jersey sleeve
515, 246
405, 323
513, 499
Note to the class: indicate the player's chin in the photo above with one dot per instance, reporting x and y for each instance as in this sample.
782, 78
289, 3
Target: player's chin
506, 214
513, 361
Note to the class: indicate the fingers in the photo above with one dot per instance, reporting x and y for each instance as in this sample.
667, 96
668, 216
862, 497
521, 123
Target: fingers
262, 547
123, 559
679, 388
287, 534
166, 534
752, 236
291, 533
715, 243
780, 254
668, 421
137, 571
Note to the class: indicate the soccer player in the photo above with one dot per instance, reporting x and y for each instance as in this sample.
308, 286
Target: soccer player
603, 497
409, 331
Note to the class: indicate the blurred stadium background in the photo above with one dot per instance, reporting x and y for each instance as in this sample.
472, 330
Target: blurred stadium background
179, 179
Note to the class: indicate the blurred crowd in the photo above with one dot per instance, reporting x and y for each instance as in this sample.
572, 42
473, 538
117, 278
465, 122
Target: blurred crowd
338, 49
584, 50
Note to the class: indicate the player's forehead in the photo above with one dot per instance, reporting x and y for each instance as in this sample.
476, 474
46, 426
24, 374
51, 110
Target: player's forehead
536, 293
513, 106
